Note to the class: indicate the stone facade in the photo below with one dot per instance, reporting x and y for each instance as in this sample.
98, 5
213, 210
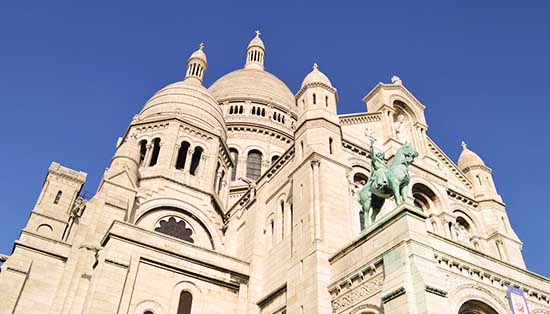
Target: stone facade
242, 198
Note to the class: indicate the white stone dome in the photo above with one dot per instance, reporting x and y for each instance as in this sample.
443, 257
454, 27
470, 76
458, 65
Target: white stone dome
188, 100
469, 159
316, 76
252, 84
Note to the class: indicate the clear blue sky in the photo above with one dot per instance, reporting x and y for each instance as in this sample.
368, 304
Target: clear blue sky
72, 75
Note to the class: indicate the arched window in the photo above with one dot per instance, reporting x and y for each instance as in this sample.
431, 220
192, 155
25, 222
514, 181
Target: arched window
241, 109
148, 312
475, 306
263, 112
230, 109
326, 101
253, 110
274, 159
425, 198
182, 155
330, 145
195, 160
254, 164
220, 181
360, 178
57, 197
156, 151
282, 219
314, 99
176, 228
142, 151
235, 157
186, 300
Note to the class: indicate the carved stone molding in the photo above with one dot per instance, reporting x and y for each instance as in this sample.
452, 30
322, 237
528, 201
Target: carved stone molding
358, 294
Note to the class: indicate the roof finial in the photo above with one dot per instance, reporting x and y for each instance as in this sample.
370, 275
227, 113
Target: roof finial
201, 46
464, 146
315, 66
258, 33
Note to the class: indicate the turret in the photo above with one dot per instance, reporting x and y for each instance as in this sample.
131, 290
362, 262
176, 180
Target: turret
196, 66
318, 127
480, 175
255, 53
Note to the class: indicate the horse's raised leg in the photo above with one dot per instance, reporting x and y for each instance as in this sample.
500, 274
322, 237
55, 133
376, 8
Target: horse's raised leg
394, 185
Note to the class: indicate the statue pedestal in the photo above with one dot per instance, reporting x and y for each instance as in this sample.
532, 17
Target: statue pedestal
397, 246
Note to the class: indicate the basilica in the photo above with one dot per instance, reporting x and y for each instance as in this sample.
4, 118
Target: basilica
243, 197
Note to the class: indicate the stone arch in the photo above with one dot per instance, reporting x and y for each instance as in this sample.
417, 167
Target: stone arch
194, 290
178, 205
467, 292
440, 195
148, 305
426, 198
413, 109
45, 229
471, 219
268, 230
367, 309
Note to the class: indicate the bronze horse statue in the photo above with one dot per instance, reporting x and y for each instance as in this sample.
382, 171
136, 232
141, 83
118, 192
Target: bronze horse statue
386, 181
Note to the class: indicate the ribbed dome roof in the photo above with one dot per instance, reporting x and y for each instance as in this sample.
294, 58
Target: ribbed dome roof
316, 76
188, 100
251, 84
468, 158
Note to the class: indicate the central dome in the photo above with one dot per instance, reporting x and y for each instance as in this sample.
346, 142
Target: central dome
252, 84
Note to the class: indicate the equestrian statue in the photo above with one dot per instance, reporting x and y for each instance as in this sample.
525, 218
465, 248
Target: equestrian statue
386, 181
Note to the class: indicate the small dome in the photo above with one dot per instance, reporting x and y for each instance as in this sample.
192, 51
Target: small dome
316, 76
187, 100
256, 42
198, 54
252, 84
468, 158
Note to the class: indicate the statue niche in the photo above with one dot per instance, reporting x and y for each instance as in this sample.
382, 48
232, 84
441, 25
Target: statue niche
386, 181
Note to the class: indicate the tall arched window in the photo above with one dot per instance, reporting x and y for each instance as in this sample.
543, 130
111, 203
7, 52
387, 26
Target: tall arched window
314, 99
142, 151
186, 300
57, 197
222, 175
235, 157
182, 155
254, 164
156, 152
274, 159
197, 154
330, 145
282, 219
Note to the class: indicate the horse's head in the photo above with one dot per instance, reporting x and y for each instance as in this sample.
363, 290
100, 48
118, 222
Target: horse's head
408, 152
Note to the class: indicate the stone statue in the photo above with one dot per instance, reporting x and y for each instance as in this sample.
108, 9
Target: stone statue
386, 181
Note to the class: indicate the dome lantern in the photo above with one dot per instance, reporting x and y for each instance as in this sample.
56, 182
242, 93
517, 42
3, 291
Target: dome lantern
255, 53
196, 65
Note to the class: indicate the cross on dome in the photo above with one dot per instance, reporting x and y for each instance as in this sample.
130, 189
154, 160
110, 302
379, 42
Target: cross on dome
258, 33
315, 66
464, 146
201, 46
